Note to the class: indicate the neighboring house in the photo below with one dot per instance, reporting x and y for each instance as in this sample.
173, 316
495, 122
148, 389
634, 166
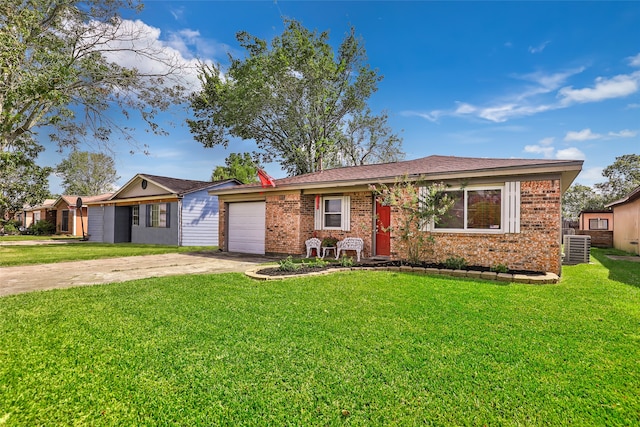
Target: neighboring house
524, 194
71, 220
626, 214
599, 225
596, 220
44, 211
158, 210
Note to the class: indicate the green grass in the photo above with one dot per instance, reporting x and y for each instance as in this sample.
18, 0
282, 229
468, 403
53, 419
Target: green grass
20, 238
43, 254
357, 348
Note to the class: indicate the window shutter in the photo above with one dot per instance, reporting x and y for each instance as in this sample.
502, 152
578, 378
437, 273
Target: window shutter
147, 216
346, 213
422, 193
317, 214
168, 216
512, 207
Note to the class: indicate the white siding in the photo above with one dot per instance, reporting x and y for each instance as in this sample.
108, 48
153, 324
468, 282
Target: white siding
200, 219
247, 227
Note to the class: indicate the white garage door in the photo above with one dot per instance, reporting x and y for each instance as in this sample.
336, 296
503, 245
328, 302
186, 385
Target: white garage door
246, 227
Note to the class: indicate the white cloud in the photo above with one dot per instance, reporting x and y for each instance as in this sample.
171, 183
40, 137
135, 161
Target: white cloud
583, 135
590, 176
570, 153
544, 147
539, 48
546, 141
177, 13
432, 116
464, 108
502, 113
537, 95
550, 82
625, 133
545, 150
138, 45
616, 87
518, 104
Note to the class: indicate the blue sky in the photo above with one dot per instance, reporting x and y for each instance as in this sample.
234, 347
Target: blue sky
486, 79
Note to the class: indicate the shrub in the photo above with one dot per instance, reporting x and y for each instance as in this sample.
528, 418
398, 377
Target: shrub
499, 268
42, 228
287, 264
456, 263
346, 261
11, 226
318, 262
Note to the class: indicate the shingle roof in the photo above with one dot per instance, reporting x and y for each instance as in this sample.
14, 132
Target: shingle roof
71, 199
635, 194
182, 186
431, 165
46, 204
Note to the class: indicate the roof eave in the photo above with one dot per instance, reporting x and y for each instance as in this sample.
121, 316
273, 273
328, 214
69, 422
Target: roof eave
568, 170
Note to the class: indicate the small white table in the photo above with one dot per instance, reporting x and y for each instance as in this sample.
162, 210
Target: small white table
328, 248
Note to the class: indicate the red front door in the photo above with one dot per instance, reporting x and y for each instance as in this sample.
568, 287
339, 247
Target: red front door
383, 236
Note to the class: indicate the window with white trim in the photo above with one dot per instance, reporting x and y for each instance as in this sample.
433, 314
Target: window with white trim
487, 209
135, 215
598, 224
158, 215
333, 213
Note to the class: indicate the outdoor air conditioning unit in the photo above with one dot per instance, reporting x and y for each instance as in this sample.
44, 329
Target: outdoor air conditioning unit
576, 249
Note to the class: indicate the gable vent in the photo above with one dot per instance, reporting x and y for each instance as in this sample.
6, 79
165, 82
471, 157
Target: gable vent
576, 249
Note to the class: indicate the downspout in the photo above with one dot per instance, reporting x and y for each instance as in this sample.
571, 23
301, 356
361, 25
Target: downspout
75, 219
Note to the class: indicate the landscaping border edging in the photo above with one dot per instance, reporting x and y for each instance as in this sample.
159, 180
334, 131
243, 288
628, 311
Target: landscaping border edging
546, 279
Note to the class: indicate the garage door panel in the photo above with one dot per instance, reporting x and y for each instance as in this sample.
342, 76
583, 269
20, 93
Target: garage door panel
247, 227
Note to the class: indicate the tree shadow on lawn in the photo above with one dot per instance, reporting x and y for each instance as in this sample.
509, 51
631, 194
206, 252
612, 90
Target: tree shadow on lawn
623, 271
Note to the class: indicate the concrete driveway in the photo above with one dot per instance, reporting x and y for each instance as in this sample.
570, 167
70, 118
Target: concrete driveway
27, 278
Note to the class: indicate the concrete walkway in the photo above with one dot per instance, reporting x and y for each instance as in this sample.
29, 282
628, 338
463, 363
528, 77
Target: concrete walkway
27, 278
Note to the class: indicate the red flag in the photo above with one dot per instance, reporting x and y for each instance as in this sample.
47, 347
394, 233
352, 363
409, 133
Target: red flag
265, 179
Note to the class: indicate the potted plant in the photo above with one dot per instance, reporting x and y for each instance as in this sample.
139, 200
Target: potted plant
329, 242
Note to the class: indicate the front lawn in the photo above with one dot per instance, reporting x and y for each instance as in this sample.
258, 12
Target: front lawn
78, 251
26, 237
360, 348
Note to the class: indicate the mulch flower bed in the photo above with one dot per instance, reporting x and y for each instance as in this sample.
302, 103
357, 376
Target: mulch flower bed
275, 271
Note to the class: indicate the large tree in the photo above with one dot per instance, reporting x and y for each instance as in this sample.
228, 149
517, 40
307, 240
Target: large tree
239, 166
62, 67
623, 176
293, 97
580, 198
87, 174
22, 180
367, 139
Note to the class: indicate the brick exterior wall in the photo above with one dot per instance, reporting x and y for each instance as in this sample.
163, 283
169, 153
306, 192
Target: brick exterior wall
535, 248
599, 239
290, 221
283, 217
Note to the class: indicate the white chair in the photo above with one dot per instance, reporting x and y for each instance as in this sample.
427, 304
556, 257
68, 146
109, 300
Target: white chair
350, 244
313, 243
